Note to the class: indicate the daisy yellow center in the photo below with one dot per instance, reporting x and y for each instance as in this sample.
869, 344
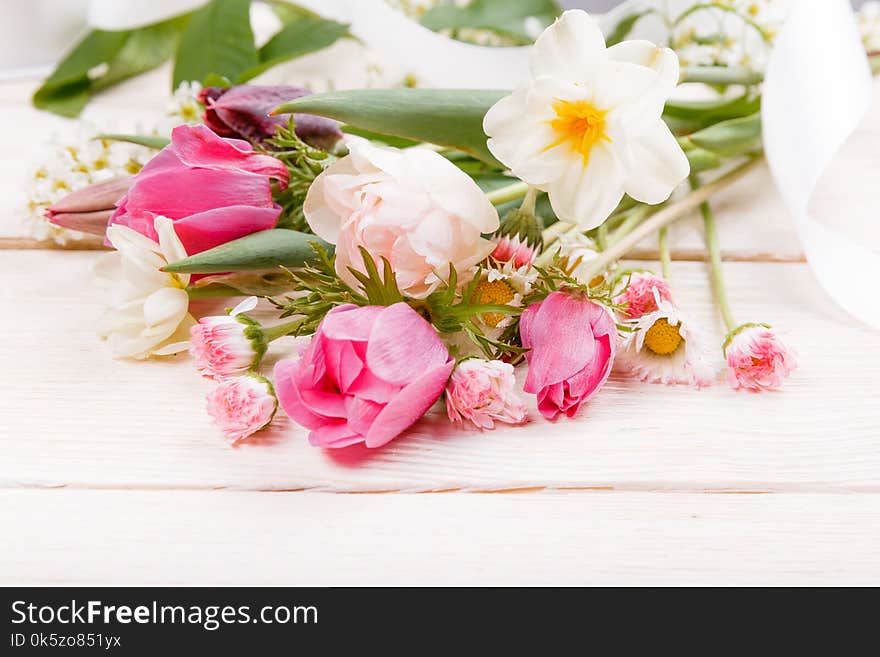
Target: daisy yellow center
495, 293
662, 338
579, 124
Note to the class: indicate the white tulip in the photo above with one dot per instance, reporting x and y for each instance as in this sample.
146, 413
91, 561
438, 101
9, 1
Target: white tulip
149, 309
587, 126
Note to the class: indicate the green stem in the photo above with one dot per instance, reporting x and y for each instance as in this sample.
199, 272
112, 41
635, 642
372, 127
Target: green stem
507, 193
633, 218
279, 331
669, 214
715, 261
722, 75
665, 258
531, 197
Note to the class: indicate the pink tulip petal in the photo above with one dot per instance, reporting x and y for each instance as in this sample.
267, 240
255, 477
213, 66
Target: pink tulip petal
343, 363
334, 435
326, 403
349, 322
403, 345
583, 384
285, 375
362, 414
561, 320
199, 146
409, 405
205, 230
370, 387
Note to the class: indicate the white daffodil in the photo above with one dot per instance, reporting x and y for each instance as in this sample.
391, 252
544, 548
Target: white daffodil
149, 309
587, 127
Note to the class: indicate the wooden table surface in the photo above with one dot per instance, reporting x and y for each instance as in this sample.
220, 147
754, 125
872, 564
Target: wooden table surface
112, 474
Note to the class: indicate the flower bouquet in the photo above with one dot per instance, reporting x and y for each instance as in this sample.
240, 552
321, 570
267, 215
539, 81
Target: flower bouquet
424, 244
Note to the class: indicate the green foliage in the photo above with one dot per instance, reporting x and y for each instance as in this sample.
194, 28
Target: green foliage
319, 291
266, 249
447, 117
304, 163
104, 58
379, 289
300, 37
733, 137
217, 40
157, 143
500, 16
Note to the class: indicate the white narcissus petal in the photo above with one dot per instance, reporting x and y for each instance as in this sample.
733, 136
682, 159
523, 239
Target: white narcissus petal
586, 195
644, 53
656, 165
245, 306
570, 49
167, 304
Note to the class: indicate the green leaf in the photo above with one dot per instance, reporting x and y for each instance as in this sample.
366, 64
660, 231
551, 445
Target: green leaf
623, 28
446, 117
300, 37
263, 250
733, 137
149, 141
66, 91
501, 16
217, 40
144, 49
720, 75
713, 110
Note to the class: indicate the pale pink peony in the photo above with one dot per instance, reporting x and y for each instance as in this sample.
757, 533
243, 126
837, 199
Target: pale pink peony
368, 373
513, 249
413, 207
482, 392
757, 359
639, 298
227, 345
242, 405
214, 189
571, 343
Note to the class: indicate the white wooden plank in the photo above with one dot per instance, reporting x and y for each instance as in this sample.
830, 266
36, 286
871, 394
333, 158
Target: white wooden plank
600, 538
73, 416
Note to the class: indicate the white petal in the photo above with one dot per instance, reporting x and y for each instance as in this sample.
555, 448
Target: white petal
169, 242
177, 341
587, 195
169, 304
656, 165
245, 306
322, 219
629, 88
570, 49
644, 53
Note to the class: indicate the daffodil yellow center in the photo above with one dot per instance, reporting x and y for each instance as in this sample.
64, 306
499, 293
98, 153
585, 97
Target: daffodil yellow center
662, 338
495, 293
579, 124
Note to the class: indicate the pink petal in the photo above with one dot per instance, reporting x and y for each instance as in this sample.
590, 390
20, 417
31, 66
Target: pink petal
586, 382
205, 230
560, 339
334, 435
409, 405
403, 346
285, 375
343, 362
350, 322
362, 414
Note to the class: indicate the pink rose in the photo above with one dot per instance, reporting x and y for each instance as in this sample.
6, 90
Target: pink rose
571, 343
214, 189
413, 207
368, 373
757, 359
242, 405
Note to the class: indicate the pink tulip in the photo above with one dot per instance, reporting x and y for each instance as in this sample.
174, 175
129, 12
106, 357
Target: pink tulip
89, 209
368, 374
244, 111
215, 190
571, 343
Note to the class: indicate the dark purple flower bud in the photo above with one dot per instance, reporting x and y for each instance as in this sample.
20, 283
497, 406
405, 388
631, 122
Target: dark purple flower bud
243, 111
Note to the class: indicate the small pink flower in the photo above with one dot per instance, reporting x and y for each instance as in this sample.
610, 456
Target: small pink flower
227, 345
215, 190
639, 297
571, 343
242, 405
368, 374
757, 359
482, 391
513, 249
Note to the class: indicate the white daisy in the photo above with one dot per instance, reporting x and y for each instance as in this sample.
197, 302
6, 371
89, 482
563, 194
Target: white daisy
664, 346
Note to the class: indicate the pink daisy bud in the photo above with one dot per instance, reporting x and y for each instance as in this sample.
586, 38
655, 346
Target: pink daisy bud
513, 250
242, 405
757, 359
227, 345
638, 298
482, 392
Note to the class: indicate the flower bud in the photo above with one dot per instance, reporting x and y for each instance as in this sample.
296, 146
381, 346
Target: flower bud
518, 239
228, 345
89, 209
242, 405
757, 359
